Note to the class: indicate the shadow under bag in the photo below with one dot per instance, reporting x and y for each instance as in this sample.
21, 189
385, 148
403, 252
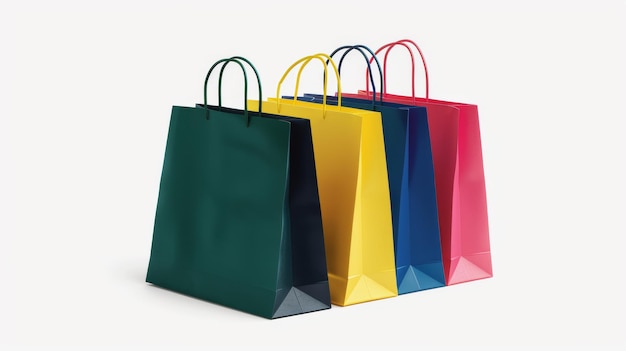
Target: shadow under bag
238, 218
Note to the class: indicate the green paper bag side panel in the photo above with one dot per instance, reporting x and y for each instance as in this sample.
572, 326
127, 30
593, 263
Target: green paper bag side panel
223, 178
302, 271
305, 214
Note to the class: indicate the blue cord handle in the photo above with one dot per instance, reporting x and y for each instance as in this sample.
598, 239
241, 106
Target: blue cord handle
369, 67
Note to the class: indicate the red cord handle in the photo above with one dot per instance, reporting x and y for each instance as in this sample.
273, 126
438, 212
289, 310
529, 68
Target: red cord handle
389, 46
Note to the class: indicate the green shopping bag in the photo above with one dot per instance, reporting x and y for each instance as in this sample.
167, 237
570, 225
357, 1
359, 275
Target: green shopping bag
238, 218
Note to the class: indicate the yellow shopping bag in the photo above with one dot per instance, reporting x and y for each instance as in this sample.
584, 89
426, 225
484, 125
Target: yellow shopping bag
353, 189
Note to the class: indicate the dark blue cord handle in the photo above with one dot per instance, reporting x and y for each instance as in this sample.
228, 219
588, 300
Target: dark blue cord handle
369, 67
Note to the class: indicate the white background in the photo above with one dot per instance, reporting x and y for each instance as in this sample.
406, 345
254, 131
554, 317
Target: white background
86, 91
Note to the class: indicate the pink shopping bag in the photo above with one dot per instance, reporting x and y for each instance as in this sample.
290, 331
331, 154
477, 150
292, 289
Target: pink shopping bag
459, 178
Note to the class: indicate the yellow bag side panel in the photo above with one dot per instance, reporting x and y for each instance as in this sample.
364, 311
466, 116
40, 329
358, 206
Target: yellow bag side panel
376, 208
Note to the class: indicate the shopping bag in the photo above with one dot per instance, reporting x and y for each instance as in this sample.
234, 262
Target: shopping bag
459, 179
354, 193
417, 245
238, 219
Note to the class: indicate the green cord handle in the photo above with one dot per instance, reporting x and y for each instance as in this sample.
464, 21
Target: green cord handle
226, 61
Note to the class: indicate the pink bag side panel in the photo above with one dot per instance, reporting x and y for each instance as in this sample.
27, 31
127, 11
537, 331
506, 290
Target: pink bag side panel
471, 253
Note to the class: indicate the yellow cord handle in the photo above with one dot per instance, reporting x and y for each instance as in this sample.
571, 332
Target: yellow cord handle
323, 58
